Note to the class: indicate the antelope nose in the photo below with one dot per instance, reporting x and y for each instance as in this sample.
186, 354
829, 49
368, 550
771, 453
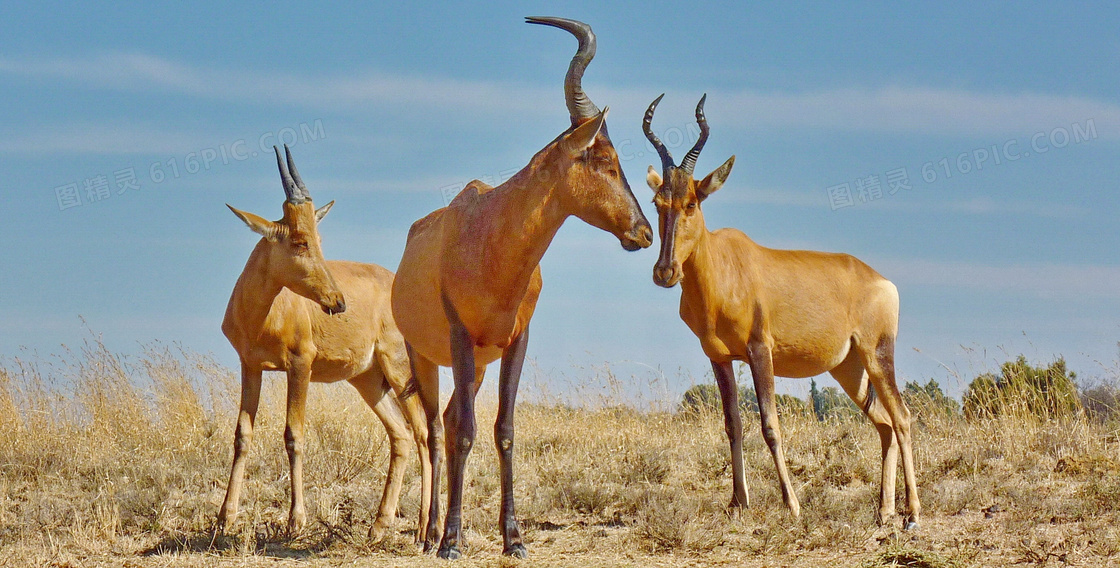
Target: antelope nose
645, 235
337, 308
639, 237
663, 275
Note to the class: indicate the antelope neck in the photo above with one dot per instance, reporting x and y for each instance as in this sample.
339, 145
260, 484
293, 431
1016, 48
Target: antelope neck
255, 290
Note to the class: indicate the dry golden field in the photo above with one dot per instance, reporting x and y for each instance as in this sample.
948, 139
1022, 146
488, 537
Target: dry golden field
113, 462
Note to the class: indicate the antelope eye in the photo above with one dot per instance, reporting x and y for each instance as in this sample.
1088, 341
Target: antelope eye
692, 206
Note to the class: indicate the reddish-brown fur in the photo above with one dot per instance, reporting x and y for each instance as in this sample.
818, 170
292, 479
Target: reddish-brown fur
469, 281
790, 313
318, 321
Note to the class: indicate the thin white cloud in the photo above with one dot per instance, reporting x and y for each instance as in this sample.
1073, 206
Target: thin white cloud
141, 72
892, 109
981, 206
975, 206
103, 139
923, 110
1041, 280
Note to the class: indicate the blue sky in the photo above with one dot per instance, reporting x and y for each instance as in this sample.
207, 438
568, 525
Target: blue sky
389, 106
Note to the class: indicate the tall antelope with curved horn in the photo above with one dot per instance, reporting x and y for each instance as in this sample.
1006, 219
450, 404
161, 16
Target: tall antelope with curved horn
790, 313
318, 321
470, 277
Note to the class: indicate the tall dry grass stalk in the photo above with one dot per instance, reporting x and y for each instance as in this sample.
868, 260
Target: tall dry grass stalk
106, 458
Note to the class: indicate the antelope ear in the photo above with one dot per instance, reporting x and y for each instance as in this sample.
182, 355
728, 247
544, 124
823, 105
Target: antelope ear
714, 180
322, 211
653, 179
259, 225
584, 135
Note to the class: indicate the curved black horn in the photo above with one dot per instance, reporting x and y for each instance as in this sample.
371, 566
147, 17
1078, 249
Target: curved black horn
666, 159
295, 174
579, 106
291, 190
689, 161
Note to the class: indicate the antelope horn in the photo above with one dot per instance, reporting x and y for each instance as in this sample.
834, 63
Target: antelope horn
579, 106
291, 190
666, 159
295, 173
689, 161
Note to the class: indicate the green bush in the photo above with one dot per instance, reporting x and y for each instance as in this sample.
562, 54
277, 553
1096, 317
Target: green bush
929, 399
1102, 401
831, 402
705, 398
1023, 390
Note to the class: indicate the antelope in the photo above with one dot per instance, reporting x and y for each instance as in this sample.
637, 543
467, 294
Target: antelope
790, 313
318, 321
470, 277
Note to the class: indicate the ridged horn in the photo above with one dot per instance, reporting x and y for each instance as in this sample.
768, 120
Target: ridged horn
689, 161
666, 158
291, 190
579, 106
295, 174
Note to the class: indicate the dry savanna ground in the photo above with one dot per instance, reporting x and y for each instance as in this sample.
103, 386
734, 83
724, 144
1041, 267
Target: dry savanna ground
113, 462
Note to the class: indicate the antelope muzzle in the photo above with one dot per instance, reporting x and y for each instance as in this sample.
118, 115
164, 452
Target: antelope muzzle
640, 237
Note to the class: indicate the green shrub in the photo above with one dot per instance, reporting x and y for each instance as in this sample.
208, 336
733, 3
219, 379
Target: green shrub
706, 398
929, 400
831, 402
1023, 390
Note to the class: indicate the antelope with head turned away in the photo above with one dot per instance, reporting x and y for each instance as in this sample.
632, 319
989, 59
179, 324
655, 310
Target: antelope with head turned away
470, 277
288, 313
790, 313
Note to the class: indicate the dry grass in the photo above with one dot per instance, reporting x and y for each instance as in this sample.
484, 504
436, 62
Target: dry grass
111, 462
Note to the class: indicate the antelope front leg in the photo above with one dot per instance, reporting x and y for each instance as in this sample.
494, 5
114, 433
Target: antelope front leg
460, 424
762, 370
242, 438
733, 424
512, 361
299, 376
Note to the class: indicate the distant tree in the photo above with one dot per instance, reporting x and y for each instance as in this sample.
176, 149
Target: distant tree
1022, 389
929, 398
789, 405
701, 398
815, 399
706, 398
1102, 401
830, 402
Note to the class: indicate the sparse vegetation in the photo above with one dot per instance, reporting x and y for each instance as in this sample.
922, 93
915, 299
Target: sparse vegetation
110, 461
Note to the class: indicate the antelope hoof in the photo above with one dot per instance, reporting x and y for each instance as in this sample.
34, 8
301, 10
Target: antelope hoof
449, 552
516, 551
378, 531
219, 530
884, 517
795, 510
296, 523
735, 508
910, 523
222, 524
